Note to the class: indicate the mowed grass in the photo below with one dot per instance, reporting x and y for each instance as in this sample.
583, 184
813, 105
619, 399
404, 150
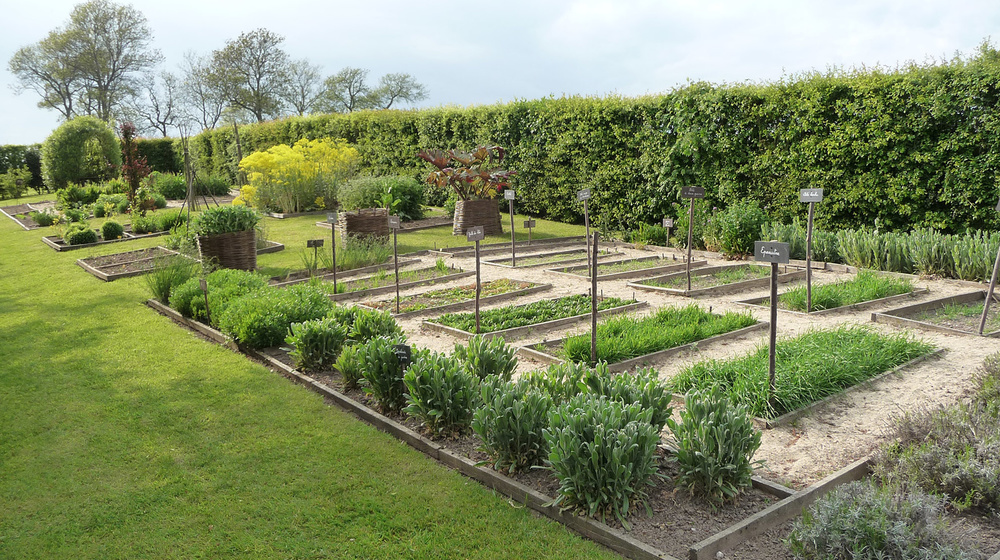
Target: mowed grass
123, 435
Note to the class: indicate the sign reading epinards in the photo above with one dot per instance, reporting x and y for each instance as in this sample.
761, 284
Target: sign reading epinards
770, 252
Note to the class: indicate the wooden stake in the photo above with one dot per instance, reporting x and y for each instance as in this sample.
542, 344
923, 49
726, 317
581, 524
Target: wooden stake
593, 303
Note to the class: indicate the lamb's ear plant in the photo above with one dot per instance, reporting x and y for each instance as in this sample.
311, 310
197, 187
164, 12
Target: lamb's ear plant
560, 381
350, 365
716, 442
382, 370
316, 344
488, 356
510, 422
441, 393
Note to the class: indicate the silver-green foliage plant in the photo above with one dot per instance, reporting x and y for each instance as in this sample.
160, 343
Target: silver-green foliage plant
226, 219
383, 371
716, 442
641, 386
368, 324
441, 393
603, 454
488, 356
561, 381
511, 423
350, 365
973, 255
864, 521
316, 344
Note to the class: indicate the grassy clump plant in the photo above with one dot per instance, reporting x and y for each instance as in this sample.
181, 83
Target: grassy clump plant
168, 274
511, 423
262, 319
487, 356
316, 344
441, 393
226, 219
866, 286
716, 442
865, 521
510, 317
625, 337
359, 252
809, 368
602, 452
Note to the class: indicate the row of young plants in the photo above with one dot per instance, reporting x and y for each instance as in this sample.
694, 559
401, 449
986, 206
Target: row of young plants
865, 286
513, 316
447, 296
80, 232
940, 460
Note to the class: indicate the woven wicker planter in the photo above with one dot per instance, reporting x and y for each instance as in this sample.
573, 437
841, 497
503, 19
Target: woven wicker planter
230, 250
367, 222
471, 213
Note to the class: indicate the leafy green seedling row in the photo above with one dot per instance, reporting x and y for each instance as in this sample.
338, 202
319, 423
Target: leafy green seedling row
510, 317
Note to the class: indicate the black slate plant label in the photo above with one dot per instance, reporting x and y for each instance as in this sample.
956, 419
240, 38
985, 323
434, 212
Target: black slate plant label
692, 192
311, 243
810, 195
583, 194
393, 222
770, 252
476, 233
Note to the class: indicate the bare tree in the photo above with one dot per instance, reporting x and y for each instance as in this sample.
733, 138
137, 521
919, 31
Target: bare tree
158, 107
252, 70
397, 87
344, 92
202, 99
303, 86
46, 69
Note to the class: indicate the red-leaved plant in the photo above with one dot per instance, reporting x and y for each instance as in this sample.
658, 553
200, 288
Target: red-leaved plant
471, 175
134, 166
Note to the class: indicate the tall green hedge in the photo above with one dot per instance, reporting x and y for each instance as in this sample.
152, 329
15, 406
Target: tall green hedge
912, 147
15, 156
161, 155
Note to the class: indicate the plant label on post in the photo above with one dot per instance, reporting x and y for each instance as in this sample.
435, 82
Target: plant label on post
509, 195
775, 253
583, 195
204, 290
403, 353
691, 193
331, 218
989, 292
528, 225
394, 226
810, 196
314, 243
476, 234
668, 223
593, 305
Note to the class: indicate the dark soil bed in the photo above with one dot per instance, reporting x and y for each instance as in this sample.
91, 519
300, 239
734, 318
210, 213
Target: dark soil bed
20, 214
962, 317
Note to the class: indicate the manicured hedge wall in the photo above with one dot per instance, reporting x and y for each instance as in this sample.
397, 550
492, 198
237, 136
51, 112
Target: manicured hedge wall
161, 155
913, 147
15, 156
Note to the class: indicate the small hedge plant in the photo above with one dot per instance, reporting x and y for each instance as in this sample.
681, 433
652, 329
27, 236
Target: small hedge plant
511, 423
716, 442
368, 192
44, 218
226, 219
262, 319
383, 372
169, 185
224, 285
79, 233
441, 393
111, 229
487, 356
316, 344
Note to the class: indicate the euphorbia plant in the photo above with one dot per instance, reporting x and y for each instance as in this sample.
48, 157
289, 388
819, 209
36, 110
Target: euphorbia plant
471, 175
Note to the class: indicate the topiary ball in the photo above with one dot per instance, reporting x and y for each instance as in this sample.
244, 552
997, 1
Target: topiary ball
111, 230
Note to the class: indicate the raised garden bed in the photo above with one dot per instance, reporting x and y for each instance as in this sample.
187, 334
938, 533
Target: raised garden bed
300, 276
867, 289
466, 251
534, 260
384, 281
58, 244
513, 322
716, 280
132, 263
959, 314
630, 268
809, 368
460, 297
627, 343
20, 213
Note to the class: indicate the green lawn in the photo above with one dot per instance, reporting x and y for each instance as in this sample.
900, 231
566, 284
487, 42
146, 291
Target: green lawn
123, 435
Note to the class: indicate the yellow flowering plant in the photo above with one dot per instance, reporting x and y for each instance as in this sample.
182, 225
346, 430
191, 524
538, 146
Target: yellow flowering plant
300, 177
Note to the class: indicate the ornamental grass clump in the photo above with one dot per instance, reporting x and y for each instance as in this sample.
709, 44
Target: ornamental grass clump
809, 367
716, 442
383, 372
316, 344
626, 337
487, 356
262, 319
511, 423
862, 520
602, 452
359, 252
866, 286
441, 393
168, 274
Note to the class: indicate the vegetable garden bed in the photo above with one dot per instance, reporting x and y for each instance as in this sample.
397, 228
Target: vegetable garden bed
809, 368
460, 297
20, 213
58, 244
533, 260
468, 251
513, 322
959, 314
867, 289
384, 281
301, 276
630, 268
716, 280
132, 263
627, 342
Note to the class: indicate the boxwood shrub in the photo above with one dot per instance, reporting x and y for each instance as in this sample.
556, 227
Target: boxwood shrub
111, 229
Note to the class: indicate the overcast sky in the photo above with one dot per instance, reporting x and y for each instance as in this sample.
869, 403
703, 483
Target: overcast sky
472, 53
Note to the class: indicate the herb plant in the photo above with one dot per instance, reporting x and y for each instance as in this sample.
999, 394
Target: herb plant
510, 422
226, 219
316, 344
866, 286
487, 356
383, 373
441, 393
262, 319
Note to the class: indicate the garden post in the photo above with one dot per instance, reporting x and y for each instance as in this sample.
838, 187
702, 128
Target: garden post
331, 217
811, 196
204, 289
775, 253
993, 285
476, 234
668, 223
584, 195
593, 303
394, 226
509, 195
691, 193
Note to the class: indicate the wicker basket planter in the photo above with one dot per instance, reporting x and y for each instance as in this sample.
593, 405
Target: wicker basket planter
230, 250
481, 212
367, 222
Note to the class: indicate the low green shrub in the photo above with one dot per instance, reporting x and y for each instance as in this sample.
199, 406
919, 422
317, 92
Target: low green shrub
863, 521
350, 365
441, 393
170, 185
602, 453
44, 218
142, 225
226, 219
212, 185
716, 442
224, 285
383, 372
111, 229
316, 344
511, 423
169, 273
80, 233
169, 219
650, 235
987, 380
74, 215
738, 226
487, 356
108, 204
368, 192
358, 252
262, 319
76, 196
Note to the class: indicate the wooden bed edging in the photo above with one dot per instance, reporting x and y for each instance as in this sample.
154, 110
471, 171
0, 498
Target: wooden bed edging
208, 331
629, 274
734, 287
405, 285
778, 513
757, 302
348, 273
516, 332
462, 304
900, 317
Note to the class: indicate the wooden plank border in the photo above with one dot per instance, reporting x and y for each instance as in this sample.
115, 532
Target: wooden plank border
463, 304
757, 302
404, 286
900, 317
733, 287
